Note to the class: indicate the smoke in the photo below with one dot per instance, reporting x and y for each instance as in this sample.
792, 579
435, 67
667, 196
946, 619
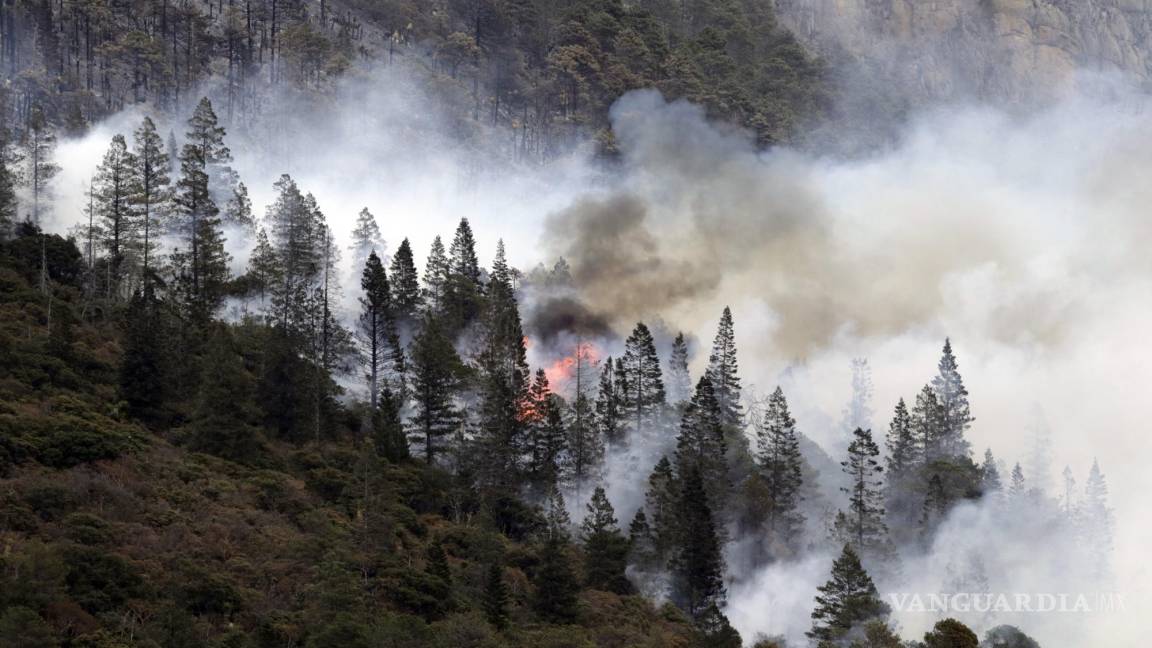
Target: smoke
1020, 236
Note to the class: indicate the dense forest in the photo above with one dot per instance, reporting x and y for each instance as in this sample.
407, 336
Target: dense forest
192, 455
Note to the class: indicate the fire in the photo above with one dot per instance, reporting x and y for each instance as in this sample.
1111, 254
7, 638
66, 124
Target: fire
562, 373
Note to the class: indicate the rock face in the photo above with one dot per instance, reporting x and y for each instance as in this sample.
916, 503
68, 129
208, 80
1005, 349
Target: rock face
1005, 50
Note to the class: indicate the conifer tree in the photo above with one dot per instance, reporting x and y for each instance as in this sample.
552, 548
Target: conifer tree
700, 444
556, 583
584, 445
144, 375
641, 545
226, 420
464, 290
9, 180
950, 633
723, 372
366, 238
436, 563
38, 150
263, 267
504, 381
698, 567
928, 425
203, 262
605, 548
936, 503
848, 600
545, 436
238, 210
436, 278
435, 367
781, 466
1097, 522
1017, 487
388, 430
113, 187
903, 463
990, 475
295, 232
679, 380
955, 413
662, 501
858, 413
153, 192
608, 414
406, 298
376, 328
865, 529
643, 395
496, 598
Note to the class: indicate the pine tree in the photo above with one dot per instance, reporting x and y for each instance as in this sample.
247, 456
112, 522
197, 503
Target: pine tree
956, 416
698, 567
950, 633
38, 151
238, 211
928, 425
858, 413
847, 601
153, 191
436, 563
781, 466
495, 599
643, 395
1017, 488
723, 371
545, 435
203, 262
504, 382
935, 508
113, 187
1097, 523
226, 420
436, 278
464, 291
608, 414
605, 548
865, 530
388, 430
990, 475
9, 180
263, 267
435, 367
700, 444
585, 447
556, 584
903, 463
406, 298
144, 375
662, 501
376, 327
641, 545
295, 234
679, 380
366, 238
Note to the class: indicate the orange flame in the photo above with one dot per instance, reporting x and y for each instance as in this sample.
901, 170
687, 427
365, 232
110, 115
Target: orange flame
562, 372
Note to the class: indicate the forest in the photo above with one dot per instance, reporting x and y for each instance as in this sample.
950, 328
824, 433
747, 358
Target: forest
345, 444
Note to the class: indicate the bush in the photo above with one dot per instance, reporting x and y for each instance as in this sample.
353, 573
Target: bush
23, 628
87, 529
66, 440
100, 581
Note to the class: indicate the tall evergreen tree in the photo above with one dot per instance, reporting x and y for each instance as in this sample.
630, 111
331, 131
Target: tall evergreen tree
435, 367
928, 425
238, 211
38, 150
388, 430
700, 444
723, 372
847, 601
504, 382
605, 548
662, 501
406, 298
9, 181
679, 380
113, 187
226, 419
381, 343
436, 278
545, 436
956, 415
366, 238
934, 509
203, 263
464, 290
903, 462
641, 544
153, 191
1097, 522
643, 396
608, 413
698, 567
863, 525
556, 583
990, 475
1017, 488
263, 267
495, 599
295, 232
781, 466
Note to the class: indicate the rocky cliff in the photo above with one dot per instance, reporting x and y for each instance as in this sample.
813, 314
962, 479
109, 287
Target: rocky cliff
1005, 50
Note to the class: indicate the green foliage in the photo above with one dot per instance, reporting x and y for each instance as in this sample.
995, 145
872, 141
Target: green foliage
950, 633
